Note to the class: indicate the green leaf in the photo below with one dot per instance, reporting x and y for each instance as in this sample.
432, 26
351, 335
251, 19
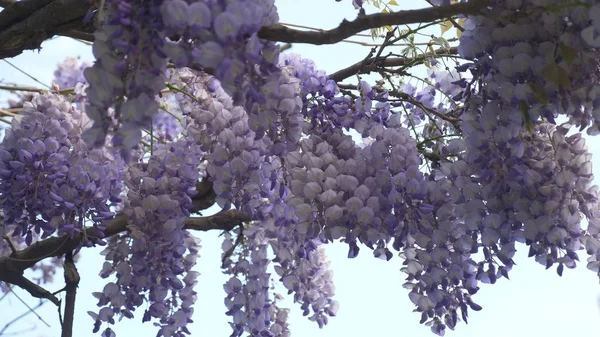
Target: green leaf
539, 93
524, 107
567, 53
393, 3
446, 26
440, 41
555, 74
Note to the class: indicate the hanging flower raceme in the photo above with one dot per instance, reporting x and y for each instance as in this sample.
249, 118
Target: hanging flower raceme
539, 57
50, 181
248, 300
69, 73
487, 200
157, 257
129, 71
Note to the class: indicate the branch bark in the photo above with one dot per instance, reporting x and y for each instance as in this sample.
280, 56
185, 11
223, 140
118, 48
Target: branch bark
12, 267
7, 3
373, 64
26, 26
28, 23
71, 282
349, 28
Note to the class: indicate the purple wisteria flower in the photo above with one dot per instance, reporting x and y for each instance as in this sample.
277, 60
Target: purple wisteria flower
50, 180
157, 257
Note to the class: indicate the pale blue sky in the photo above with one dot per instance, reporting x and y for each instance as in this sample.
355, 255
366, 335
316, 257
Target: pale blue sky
535, 302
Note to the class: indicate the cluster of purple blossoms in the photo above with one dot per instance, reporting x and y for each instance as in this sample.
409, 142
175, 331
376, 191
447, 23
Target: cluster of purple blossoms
234, 157
537, 196
305, 272
210, 35
334, 192
157, 256
247, 68
296, 254
248, 301
253, 183
538, 57
451, 223
51, 182
69, 73
129, 63
280, 327
272, 132
223, 37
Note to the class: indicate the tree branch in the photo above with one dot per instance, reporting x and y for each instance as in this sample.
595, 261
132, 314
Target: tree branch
71, 282
205, 197
29, 311
223, 221
28, 23
27, 26
7, 3
12, 267
19, 11
449, 117
348, 28
373, 64
9, 274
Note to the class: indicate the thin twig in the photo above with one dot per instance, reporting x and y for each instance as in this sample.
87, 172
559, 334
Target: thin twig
6, 293
7, 113
452, 21
14, 320
13, 249
231, 249
285, 46
409, 99
30, 308
33, 89
26, 74
367, 66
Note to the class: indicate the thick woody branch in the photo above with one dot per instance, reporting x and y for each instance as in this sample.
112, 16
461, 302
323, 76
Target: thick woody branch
205, 197
7, 3
374, 64
349, 28
11, 275
28, 23
71, 283
26, 26
222, 221
12, 267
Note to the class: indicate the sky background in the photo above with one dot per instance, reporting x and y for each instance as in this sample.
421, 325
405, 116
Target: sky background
535, 302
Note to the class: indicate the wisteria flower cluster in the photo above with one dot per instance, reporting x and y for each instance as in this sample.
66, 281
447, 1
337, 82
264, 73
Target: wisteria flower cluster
51, 182
159, 258
69, 73
539, 57
210, 35
451, 175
